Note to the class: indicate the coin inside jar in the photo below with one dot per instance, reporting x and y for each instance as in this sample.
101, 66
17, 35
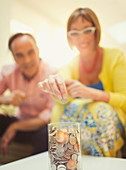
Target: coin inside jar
60, 137
53, 132
70, 146
66, 137
61, 167
74, 157
76, 147
73, 140
64, 148
71, 164
60, 152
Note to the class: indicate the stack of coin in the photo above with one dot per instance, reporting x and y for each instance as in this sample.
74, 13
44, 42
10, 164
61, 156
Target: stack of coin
64, 149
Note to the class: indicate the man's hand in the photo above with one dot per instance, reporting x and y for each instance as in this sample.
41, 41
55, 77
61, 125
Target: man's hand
16, 98
6, 139
24, 125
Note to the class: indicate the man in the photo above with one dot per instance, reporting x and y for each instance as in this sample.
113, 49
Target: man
34, 106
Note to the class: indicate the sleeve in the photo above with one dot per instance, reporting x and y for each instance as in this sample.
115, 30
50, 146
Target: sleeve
3, 84
118, 94
66, 72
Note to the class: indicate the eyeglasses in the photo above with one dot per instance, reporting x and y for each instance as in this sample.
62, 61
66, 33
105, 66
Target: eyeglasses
85, 31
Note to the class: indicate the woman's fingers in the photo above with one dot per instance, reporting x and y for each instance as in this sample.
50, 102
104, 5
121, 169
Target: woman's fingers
55, 85
68, 82
61, 85
46, 86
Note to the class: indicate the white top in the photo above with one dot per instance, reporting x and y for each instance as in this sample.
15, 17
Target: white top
40, 162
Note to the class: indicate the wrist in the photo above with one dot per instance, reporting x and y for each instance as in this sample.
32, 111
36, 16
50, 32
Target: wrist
14, 126
99, 95
88, 93
4, 100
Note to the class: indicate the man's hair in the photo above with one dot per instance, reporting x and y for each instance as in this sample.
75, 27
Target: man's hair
13, 37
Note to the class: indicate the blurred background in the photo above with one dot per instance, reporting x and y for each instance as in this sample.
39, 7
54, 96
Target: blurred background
46, 20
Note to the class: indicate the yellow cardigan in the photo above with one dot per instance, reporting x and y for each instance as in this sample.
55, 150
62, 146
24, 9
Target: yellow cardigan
113, 77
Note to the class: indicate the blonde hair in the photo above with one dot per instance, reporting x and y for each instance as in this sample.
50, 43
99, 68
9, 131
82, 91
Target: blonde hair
88, 15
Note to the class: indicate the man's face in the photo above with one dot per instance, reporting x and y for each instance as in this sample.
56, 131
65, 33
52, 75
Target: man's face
26, 55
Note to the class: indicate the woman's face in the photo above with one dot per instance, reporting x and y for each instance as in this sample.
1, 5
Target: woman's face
83, 42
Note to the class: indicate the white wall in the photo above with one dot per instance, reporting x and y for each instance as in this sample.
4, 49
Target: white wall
50, 36
5, 15
16, 16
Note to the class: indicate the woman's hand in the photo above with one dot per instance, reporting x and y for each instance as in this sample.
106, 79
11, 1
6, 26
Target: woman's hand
77, 89
54, 85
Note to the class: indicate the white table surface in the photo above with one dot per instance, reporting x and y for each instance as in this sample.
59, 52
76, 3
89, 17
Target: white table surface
40, 162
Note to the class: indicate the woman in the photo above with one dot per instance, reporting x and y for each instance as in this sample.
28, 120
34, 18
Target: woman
96, 85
